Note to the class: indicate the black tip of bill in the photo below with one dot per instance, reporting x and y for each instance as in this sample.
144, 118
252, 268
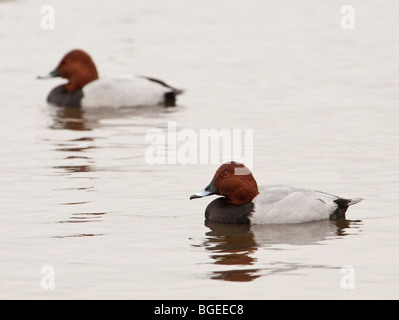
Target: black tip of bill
53, 74
194, 196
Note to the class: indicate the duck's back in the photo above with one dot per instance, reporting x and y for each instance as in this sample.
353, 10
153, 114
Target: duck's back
287, 204
123, 91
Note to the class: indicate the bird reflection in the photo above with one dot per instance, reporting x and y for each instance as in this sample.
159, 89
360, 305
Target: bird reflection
78, 119
86, 121
74, 150
231, 244
234, 245
69, 118
78, 136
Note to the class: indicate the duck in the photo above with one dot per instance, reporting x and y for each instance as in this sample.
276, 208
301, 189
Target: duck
86, 89
243, 202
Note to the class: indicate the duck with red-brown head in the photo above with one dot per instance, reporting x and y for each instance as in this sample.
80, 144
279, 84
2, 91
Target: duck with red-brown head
234, 181
243, 202
85, 88
79, 69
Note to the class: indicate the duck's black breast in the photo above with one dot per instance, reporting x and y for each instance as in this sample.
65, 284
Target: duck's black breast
61, 97
219, 210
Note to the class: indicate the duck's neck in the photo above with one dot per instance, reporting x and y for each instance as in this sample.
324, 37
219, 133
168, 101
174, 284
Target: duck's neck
242, 197
78, 81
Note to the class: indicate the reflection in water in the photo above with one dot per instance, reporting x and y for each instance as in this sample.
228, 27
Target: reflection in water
234, 245
72, 119
74, 169
78, 145
231, 244
72, 203
79, 235
82, 217
68, 118
78, 119
75, 161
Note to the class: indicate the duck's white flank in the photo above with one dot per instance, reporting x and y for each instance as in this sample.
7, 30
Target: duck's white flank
123, 91
286, 204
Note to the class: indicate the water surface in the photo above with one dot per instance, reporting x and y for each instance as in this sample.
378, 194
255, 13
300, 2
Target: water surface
78, 194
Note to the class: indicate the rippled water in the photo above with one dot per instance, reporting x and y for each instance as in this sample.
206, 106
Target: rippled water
77, 193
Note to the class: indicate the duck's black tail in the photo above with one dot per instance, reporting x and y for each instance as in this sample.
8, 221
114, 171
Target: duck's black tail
342, 206
170, 97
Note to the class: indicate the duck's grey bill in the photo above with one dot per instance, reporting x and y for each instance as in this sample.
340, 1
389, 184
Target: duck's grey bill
52, 74
209, 190
200, 194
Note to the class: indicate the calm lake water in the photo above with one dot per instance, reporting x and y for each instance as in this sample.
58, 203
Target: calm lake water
78, 195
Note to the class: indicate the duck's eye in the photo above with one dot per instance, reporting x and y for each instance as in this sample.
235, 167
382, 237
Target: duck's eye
225, 174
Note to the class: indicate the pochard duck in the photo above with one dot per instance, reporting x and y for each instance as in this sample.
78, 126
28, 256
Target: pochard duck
243, 202
85, 89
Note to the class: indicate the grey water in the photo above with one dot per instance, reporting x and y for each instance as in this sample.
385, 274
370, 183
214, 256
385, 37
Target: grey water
78, 194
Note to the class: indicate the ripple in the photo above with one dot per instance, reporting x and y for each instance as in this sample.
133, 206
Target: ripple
235, 245
84, 217
79, 235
